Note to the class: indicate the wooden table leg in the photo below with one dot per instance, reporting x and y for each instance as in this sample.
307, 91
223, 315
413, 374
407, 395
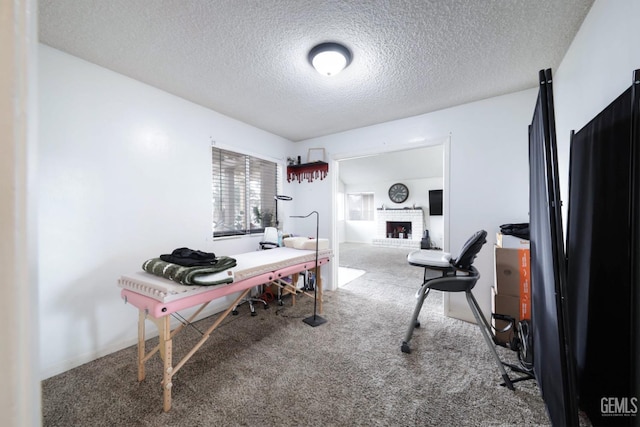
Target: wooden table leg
294, 284
165, 345
166, 342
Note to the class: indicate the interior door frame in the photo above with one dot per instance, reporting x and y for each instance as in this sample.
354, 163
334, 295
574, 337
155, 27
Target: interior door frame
335, 166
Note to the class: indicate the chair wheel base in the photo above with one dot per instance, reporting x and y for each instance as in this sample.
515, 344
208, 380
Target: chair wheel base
405, 348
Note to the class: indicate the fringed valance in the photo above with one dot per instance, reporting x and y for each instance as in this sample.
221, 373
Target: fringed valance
308, 171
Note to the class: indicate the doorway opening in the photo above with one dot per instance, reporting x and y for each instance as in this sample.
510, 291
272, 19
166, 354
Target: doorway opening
420, 169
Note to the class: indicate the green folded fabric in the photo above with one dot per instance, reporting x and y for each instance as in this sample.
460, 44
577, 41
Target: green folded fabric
192, 275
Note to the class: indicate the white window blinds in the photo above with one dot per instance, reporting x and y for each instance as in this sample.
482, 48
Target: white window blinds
360, 207
244, 189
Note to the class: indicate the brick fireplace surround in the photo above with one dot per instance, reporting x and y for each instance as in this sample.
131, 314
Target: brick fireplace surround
414, 216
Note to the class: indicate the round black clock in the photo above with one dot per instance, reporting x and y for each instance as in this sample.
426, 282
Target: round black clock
398, 193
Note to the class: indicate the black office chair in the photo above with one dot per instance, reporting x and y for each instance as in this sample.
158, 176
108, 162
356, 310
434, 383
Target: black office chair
458, 275
269, 241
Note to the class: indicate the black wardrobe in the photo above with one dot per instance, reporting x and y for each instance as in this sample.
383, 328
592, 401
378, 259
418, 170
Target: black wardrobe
603, 258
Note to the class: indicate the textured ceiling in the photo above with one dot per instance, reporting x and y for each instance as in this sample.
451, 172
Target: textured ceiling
248, 59
417, 163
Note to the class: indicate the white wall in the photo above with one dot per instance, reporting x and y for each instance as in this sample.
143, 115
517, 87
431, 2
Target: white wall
341, 216
20, 393
597, 68
488, 169
124, 175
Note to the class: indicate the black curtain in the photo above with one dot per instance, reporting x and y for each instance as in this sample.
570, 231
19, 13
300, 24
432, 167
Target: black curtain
635, 239
602, 245
553, 363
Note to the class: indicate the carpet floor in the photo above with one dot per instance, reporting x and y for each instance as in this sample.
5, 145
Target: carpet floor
275, 370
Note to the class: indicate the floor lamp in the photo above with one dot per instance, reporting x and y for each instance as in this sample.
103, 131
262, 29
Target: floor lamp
314, 320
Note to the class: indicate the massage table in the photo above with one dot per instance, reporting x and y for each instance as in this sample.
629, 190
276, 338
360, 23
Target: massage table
157, 298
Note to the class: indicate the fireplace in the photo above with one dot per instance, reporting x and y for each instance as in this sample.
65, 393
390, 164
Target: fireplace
399, 229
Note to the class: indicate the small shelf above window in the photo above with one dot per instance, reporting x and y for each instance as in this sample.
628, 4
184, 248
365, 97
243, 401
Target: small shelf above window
307, 171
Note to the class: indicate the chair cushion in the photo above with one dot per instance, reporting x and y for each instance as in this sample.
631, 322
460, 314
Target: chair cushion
429, 258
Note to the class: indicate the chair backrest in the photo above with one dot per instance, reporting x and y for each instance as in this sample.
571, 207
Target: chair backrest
470, 250
270, 235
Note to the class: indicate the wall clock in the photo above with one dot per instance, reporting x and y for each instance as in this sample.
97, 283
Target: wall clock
398, 193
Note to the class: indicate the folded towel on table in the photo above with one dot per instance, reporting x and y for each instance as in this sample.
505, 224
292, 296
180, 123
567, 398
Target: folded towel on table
189, 257
198, 275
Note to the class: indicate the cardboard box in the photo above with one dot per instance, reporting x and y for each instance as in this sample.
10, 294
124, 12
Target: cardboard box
513, 276
507, 271
507, 305
511, 242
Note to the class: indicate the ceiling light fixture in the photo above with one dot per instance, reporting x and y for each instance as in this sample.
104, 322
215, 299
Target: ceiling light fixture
329, 58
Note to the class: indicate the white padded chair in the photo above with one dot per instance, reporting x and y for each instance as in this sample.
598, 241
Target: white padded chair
270, 238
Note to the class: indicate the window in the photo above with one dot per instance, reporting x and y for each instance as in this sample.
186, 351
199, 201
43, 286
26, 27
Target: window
360, 207
244, 189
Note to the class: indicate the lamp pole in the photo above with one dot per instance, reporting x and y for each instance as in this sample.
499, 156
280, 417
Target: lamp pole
314, 320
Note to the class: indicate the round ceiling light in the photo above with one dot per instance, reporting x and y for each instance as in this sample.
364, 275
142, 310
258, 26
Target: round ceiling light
329, 58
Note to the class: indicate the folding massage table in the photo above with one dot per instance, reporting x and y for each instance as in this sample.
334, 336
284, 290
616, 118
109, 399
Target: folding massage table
157, 299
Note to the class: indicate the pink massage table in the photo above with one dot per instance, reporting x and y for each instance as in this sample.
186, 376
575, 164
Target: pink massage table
157, 298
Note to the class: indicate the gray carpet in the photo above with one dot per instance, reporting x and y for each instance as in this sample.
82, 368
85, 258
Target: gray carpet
275, 370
